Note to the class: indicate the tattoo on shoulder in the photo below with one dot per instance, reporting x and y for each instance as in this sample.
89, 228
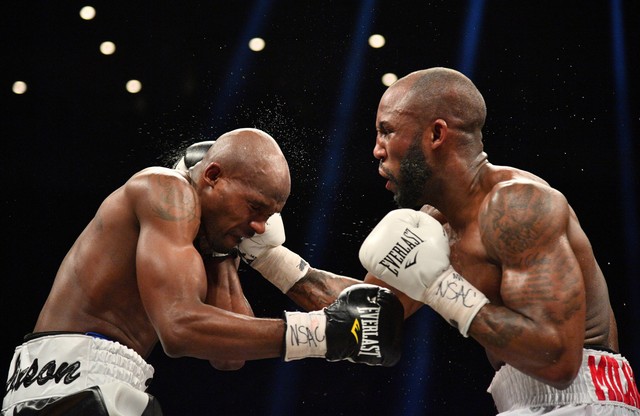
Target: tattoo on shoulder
516, 220
170, 204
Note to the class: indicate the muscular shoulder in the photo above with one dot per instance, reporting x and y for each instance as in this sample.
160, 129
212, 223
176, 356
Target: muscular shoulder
521, 215
164, 193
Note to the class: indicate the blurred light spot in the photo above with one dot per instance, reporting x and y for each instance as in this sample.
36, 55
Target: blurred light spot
87, 13
107, 48
19, 87
134, 86
257, 44
376, 41
389, 78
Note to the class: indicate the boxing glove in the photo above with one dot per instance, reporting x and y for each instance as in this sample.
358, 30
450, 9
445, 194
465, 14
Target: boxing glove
192, 155
266, 254
409, 250
363, 325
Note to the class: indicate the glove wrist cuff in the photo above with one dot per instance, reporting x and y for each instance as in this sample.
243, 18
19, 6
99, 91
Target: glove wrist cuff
455, 299
305, 335
281, 266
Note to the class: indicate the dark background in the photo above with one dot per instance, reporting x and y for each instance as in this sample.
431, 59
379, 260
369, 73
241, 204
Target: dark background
546, 69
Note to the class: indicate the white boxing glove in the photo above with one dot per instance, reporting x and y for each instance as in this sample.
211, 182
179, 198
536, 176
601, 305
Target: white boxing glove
409, 250
265, 253
273, 236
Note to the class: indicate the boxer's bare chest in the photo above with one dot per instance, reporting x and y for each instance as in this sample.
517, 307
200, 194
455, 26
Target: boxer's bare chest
470, 259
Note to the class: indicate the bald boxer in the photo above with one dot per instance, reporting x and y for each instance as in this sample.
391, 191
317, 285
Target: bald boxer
142, 272
495, 250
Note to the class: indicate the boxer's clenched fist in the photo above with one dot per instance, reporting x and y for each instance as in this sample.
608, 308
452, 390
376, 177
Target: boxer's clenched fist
363, 325
409, 250
266, 254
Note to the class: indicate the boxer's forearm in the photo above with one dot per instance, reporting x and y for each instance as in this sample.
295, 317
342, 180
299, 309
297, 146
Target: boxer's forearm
318, 289
547, 351
225, 291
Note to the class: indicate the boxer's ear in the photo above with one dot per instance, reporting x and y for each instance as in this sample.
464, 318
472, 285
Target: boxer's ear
212, 173
439, 130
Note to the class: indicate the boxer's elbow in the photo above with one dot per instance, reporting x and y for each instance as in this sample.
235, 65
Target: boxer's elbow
174, 343
177, 344
561, 373
177, 338
561, 377
192, 335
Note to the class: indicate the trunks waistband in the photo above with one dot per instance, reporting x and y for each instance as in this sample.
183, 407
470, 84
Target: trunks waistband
35, 335
603, 377
53, 365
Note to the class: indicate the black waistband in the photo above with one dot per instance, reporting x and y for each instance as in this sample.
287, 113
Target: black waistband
35, 335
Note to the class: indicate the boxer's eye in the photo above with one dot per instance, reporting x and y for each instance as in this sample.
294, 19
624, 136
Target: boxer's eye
256, 207
384, 130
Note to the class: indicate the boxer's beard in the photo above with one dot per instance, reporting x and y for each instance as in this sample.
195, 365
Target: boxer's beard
414, 173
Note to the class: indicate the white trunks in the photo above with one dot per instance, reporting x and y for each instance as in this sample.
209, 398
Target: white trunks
604, 386
53, 366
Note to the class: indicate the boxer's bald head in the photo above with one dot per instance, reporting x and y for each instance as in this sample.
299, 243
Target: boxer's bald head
241, 181
251, 156
444, 93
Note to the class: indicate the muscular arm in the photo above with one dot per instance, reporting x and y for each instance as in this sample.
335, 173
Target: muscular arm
223, 285
539, 328
318, 289
173, 283
224, 291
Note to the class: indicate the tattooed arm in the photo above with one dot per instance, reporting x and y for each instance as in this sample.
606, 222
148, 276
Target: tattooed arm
539, 327
309, 288
318, 289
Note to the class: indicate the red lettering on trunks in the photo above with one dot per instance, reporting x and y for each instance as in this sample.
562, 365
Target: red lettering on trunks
613, 381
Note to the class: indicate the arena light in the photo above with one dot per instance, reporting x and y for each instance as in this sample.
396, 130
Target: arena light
470, 36
134, 86
627, 173
333, 158
388, 79
107, 48
377, 41
87, 13
257, 44
19, 87
229, 87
